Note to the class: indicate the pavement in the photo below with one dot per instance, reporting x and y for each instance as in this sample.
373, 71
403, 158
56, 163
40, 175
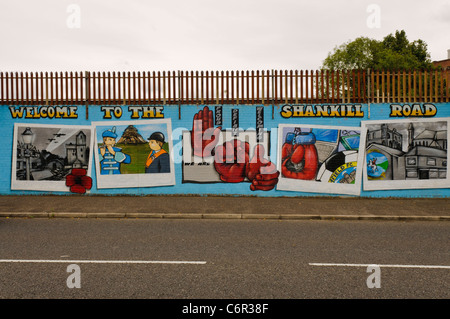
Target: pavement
224, 207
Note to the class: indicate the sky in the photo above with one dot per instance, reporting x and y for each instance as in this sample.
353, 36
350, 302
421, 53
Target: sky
208, 35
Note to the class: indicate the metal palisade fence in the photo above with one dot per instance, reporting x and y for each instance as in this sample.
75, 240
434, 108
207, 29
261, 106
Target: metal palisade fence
224, 87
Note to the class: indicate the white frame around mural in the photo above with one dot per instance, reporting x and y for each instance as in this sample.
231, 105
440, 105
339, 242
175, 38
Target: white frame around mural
314, 186
47, 185
135, 180
372, 185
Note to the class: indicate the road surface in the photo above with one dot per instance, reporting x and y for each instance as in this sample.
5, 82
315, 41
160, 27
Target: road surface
244, 259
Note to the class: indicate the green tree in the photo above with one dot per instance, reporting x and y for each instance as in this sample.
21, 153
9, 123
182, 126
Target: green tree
394, 52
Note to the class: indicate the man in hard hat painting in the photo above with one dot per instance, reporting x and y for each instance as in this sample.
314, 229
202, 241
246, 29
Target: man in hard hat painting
158, 161
111, 157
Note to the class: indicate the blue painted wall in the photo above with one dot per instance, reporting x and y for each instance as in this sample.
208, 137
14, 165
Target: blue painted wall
182, 118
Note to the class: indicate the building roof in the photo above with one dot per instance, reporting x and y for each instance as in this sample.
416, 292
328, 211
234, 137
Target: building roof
387, 149
445, 64
429, 134
427, 151
441, 135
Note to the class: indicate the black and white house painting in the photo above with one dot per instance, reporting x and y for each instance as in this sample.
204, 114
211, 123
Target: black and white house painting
406, 154
44, 155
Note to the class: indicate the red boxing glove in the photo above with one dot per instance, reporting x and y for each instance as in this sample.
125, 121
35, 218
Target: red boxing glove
204, 137
230, 160
261, 172
299, 161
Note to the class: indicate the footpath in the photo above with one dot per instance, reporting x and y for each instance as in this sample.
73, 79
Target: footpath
224, 207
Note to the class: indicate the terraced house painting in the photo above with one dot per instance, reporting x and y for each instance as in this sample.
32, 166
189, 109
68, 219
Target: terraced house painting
134, 154
406, 154
322, 159
45, 157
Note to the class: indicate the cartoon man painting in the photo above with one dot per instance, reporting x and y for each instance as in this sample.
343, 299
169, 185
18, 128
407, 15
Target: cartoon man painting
158, 161
111, 157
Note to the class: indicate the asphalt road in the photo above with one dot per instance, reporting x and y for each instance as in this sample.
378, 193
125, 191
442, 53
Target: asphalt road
244, 259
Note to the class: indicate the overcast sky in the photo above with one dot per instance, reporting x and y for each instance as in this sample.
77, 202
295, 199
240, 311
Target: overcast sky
138, 35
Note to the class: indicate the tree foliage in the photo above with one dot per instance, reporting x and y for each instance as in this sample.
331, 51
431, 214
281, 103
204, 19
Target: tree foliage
394, 52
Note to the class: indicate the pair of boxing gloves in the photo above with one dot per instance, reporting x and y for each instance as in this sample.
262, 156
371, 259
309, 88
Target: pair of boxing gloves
299, 161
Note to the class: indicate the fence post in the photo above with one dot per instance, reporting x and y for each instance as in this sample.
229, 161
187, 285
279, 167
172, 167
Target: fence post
87, 92
436, 85
1, 89
369, 91
273, 94
447, 85
179, 95
237, 87
409, 86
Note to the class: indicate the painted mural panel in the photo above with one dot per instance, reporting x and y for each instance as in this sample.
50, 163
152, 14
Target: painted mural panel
319, 159
51, 157
215, 155
134, 153
405, 154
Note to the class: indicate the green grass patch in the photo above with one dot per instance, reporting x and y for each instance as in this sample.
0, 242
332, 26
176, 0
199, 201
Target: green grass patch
138, 154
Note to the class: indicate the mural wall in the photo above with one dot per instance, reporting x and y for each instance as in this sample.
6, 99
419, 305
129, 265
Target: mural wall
406, 154
320, 158
368, 150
